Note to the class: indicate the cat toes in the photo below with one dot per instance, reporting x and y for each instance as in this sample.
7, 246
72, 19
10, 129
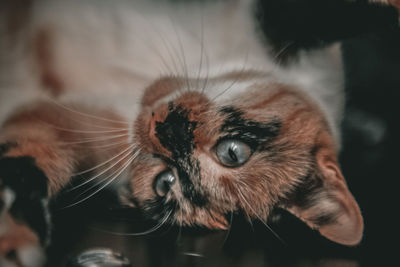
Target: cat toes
24, 216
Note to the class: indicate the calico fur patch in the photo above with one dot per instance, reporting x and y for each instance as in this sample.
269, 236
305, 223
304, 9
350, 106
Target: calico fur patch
251, 132
29, 184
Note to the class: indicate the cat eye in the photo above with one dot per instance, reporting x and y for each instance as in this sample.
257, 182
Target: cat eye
233, 153
163, 182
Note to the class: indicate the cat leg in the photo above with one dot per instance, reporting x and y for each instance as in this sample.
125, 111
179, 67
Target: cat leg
41, 147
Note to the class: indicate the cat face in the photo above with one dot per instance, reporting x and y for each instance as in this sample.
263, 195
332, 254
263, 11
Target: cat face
206, 153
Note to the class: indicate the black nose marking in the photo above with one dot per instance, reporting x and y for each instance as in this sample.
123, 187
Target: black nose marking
176, 132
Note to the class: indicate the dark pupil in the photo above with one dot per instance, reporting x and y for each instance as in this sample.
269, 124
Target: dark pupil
165, 187
232, 154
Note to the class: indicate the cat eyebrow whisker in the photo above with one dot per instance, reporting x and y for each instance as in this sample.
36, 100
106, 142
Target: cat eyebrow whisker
113, 176
235, 80
182, 56
201, 49
167, 47
203, 54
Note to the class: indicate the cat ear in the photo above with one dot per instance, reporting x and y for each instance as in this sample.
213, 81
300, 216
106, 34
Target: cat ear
325, 203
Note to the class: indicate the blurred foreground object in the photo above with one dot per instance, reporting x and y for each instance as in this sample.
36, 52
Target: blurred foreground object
99, 257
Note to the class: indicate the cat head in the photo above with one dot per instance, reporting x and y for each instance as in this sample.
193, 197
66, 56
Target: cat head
239, 142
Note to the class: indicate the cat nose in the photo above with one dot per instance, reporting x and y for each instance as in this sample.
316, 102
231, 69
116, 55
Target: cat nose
163, 182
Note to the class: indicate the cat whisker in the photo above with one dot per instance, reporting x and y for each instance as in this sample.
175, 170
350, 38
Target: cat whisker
201, 50
110, 145
109, 168
170, 54
229, 229
182, 56
206, 79
63, 106
94, 140
114, 176
167, 47
243, 198
85, 131
127, 150
149, 231
283, 50
93, 125
235, 80
93, 145
87, 181
193, 254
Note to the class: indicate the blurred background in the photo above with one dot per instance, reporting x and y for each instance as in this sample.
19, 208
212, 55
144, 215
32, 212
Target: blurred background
371, 50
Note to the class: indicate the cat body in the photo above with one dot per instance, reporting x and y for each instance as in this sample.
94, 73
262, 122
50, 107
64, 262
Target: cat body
182, 104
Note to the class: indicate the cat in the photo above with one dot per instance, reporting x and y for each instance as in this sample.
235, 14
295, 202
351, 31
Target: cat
178, 107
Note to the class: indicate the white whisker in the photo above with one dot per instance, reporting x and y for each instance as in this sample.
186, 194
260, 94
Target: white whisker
98, 175
151, 230
284, 48
193, 254
104, 163
63, 106
182, 56
110, 145
259, 218
234, 81
83, 131
115, 176
92, 140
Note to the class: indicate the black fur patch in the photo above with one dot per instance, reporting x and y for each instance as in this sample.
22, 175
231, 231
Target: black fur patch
176, 134
186, 170
4, 148
29, 184
292, 25
251, 132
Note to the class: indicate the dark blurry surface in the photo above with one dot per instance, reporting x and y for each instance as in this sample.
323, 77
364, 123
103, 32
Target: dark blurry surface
369, 161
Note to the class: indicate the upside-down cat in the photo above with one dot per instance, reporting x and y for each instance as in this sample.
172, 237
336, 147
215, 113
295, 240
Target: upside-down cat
180, 103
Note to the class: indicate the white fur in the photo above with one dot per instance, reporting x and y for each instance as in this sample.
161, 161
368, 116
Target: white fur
8, 198
107, 52
31, 255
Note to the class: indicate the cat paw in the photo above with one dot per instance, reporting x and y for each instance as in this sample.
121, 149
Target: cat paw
24, 215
